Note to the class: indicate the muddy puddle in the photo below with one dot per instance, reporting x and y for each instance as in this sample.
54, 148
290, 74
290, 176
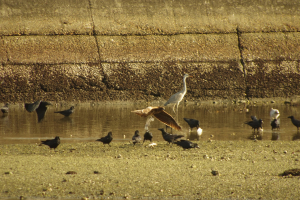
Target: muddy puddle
90, 122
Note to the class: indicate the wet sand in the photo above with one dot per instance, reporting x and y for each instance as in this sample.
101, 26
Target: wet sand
247, 169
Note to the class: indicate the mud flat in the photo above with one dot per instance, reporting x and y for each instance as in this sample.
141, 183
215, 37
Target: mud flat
246, 169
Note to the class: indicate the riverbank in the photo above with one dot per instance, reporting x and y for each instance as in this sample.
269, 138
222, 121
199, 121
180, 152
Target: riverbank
128, 50
247, 169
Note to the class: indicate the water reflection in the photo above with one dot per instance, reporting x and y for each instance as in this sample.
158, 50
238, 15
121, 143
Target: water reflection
89, 122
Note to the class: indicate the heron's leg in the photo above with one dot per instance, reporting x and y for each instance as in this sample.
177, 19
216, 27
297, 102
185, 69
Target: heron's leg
174, 108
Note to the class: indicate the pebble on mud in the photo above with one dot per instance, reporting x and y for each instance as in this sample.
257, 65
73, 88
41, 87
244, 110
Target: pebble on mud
291, 172
215, 173
71, 172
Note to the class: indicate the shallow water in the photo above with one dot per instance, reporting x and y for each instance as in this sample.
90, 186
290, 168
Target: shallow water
90, 122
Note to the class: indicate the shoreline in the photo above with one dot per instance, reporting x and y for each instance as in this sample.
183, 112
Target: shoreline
295, 100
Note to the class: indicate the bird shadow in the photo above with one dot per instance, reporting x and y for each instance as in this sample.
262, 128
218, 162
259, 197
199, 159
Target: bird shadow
66, 120
296, 136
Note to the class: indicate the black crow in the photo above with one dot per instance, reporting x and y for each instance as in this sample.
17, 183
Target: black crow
169, 137
66, 113
41, 110
186, 144
30, 107
254, 118
295, 122
4, 109
275, 124
107, 139
148, 136
52, 143
39, 106
192, 123
255, 124
136, 138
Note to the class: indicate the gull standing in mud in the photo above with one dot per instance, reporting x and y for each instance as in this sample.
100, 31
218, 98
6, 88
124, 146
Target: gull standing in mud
274, 113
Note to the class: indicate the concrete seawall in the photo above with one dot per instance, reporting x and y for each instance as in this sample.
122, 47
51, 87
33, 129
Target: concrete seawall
72, 50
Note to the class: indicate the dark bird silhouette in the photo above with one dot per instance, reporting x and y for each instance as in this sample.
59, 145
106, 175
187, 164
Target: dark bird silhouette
192, 123
66, 113
52, 143
169, 137
254, 118
41, 110
5, 108
275, 124
30, 107
186, 144
148, 136
255, 124
39, 106
160, 114
107, 139
295, 122
136, 138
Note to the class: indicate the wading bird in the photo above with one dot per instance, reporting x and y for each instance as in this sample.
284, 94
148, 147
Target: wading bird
186, 144
295, 122
5, 109
274, 113
160, 114
275, 124
52, 143
148, 136
30, 107
107, 139
255, 124
41, 110
40, 107
177, 98
136, 138
192, 123
169, 137
66, 113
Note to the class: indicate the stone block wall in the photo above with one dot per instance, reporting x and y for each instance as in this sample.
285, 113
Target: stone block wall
129, 50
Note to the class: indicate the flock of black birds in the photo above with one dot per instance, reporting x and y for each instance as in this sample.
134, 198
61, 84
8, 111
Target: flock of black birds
41, 107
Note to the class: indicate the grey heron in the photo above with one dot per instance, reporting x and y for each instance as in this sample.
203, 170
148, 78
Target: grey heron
177, 98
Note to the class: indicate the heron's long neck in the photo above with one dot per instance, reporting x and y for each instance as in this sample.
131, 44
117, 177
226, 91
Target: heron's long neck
184, 85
